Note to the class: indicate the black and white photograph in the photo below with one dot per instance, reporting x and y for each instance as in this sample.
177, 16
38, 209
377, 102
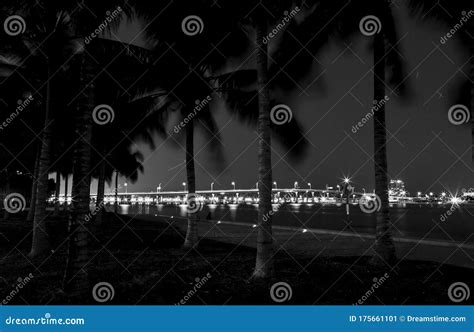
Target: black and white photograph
238, 152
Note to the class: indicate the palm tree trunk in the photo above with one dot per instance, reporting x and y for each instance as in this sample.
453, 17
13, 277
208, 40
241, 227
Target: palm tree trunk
384, 247
66, 182
116, 192
40, 244
264, 261
34, 187
471, 76
76, 278
100, 192
191, 240
57, 193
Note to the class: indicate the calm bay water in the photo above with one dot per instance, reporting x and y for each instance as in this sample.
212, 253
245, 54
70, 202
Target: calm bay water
441, 222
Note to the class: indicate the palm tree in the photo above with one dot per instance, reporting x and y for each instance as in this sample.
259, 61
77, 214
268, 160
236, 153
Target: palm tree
384, 246
48, 53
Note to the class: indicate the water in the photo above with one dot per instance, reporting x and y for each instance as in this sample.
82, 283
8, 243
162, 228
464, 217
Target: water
440, 222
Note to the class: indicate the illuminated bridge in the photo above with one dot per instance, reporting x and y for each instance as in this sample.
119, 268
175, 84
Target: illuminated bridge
280, 195
230, 196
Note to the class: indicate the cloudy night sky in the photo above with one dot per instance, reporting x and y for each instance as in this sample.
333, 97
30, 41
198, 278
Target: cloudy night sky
424, 148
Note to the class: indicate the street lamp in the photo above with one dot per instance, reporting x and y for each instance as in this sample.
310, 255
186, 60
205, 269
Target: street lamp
309, 185
296, 184
184, 186
256, 185
125, 184
275, 184
158, 189
363, 189
233, 183
346, 180
212, 186
418, 193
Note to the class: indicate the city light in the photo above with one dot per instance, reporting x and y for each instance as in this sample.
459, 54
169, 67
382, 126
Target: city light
346, 180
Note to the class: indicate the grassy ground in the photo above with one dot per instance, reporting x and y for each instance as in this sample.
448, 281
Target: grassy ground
145, 263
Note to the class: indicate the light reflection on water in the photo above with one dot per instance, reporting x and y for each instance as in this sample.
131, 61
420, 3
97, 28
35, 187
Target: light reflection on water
412, 220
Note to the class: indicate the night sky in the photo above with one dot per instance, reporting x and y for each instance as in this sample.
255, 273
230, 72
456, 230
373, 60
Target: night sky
425, 149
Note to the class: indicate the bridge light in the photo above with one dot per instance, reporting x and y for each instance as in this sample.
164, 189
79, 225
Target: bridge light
233, 184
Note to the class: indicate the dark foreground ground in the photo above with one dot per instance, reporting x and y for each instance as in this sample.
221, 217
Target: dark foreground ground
145, 264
